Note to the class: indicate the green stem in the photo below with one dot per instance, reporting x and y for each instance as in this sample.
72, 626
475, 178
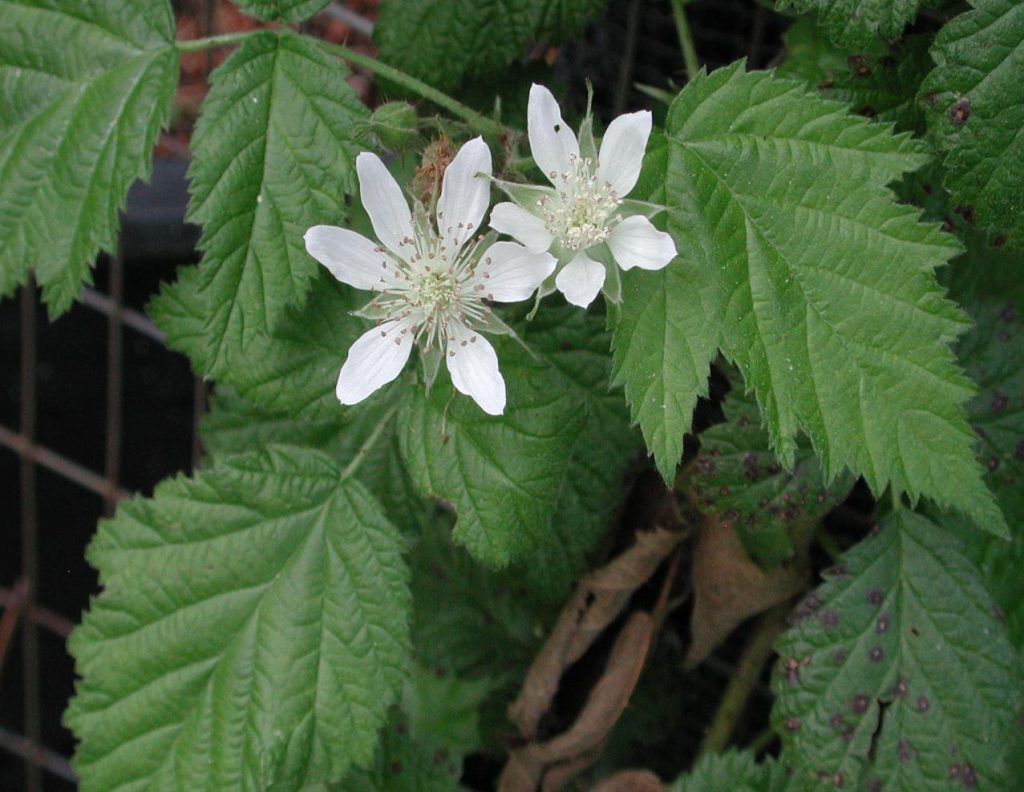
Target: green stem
479, 122
369, 443
226, 40
685, 39
743, 681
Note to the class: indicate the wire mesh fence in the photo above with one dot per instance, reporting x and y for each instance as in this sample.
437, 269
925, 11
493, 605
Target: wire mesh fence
90, 398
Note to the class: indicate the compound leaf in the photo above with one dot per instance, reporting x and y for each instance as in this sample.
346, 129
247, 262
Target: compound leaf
252, 633
898, 671
796, 261
84, 90
975, 103
274, 154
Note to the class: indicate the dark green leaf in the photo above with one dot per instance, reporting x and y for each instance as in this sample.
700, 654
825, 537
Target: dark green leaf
737, 479
975, 104
733, 771
879, 83
897, 671
252, 631
84, 90
855, 23
288, 10
445, 41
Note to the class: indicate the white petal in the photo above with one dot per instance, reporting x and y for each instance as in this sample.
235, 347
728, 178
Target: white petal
580, 280
508, 272
464, 195
385, 204
636, 243
473, 365
376, 358
551, 140
350, 257
622, 151
507, 218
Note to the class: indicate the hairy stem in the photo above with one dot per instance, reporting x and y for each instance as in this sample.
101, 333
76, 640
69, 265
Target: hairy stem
748, 671
685, 39
211, 42
369, 443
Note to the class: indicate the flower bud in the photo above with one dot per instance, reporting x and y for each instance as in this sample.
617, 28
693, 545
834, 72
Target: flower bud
395, 125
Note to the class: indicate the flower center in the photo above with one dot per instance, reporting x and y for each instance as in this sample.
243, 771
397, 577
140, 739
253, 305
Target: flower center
581, 214
437, 291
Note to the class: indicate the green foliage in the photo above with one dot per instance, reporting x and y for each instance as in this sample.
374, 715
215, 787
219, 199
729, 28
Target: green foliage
594, 487
252, 632
975, 104
878, 83
897, 670
445, 41
734, 770
503, 475
274, 154
737, 480
84, 90
286, 10
857, 24
293, 371
793, 255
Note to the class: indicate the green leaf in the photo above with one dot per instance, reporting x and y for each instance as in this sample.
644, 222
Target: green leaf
287, 10
502, 474
405, 762
234, 425
856, 24
84, 90
733, 770
445, 41
594, 487
975, 104
274, 154
796, 261
736, 479
662, 356
898, 670
293, 371
467, 619
879, 83
446, 707
252, 631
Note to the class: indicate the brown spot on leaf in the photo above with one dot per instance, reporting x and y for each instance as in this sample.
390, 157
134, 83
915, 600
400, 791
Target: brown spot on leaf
959, 112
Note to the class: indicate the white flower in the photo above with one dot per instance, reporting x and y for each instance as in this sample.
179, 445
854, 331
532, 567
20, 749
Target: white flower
431, 286
583, 214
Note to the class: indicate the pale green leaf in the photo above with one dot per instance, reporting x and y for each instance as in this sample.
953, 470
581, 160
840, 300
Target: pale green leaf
897, 670
880, 83
84, 90
273, 154
975, 104
503, 474
857, 23
445, 41
796, 261
734, 771
287, 10
252, 631
737, 480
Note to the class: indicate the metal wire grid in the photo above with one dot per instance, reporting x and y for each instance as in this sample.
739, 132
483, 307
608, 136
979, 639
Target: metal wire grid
646, 23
